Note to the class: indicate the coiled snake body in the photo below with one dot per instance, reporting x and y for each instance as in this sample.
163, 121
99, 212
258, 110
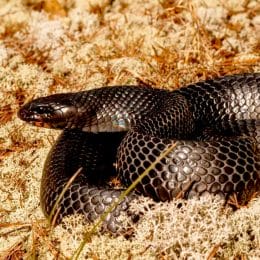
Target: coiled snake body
214, 124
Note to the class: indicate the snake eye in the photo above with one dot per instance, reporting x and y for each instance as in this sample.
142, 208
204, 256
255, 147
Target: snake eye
41, 109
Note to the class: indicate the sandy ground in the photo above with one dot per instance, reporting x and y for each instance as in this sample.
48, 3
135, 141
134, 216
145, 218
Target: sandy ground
48, 47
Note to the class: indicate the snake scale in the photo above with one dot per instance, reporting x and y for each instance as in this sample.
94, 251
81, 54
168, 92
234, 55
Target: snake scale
214, 124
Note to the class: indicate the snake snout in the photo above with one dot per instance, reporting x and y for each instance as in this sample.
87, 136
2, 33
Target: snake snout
22, 114
25, 113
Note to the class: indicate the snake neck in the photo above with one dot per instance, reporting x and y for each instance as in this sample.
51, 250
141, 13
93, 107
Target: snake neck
229, 104
152, 111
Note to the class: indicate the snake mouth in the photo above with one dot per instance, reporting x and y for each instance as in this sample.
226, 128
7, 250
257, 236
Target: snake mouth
40, 124
33, 119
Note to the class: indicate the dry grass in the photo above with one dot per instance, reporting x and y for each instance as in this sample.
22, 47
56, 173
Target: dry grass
59, 46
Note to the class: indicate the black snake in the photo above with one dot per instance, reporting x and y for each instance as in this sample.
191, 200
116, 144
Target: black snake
214, 124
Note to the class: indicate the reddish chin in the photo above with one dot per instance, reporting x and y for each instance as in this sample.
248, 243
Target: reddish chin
42, 124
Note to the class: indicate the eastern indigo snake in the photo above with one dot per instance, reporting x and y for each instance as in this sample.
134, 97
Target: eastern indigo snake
215, 125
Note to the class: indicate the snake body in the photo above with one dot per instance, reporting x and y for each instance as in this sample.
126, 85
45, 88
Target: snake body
214, 124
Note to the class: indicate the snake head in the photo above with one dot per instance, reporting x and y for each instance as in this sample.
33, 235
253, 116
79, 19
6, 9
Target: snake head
55, 111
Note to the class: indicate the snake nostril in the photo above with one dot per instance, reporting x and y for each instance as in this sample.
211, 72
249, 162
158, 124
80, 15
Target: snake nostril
22, 113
